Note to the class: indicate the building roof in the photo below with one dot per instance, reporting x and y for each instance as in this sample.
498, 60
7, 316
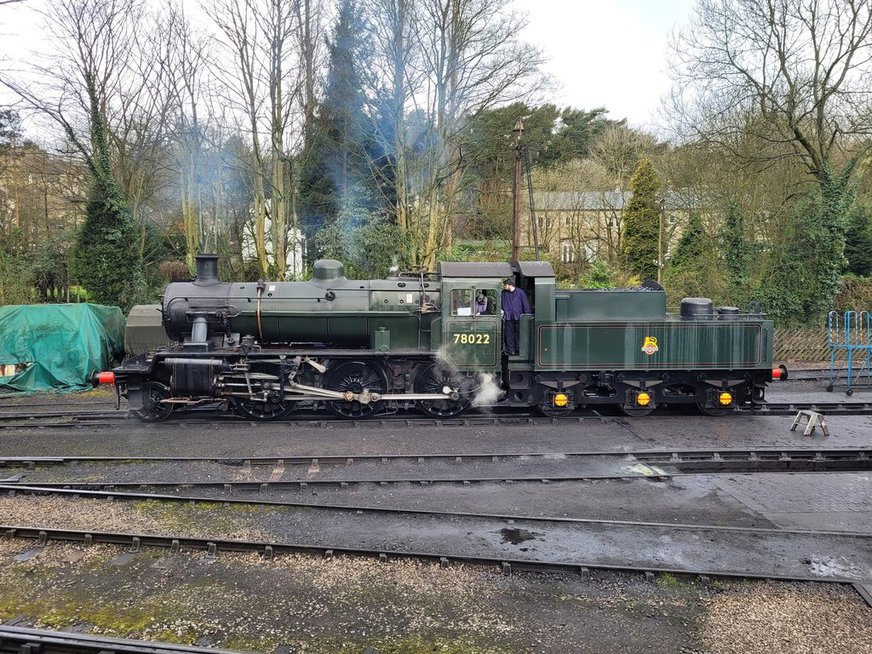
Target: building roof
602, 200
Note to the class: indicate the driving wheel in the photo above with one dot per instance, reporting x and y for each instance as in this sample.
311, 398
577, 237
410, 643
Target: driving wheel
434, 378
271, 409
357, 377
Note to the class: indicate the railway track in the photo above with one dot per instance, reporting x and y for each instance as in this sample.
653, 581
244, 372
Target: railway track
287, 474
511, 541
499, 416
19, 640
693, 460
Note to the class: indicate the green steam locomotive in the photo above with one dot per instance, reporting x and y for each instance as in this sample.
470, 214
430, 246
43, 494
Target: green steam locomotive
433, 341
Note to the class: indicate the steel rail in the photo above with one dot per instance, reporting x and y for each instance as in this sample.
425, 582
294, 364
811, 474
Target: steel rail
300, 485
14, 490
499, 417
49, 421
212, 546
677, 456
829, 408
19, 640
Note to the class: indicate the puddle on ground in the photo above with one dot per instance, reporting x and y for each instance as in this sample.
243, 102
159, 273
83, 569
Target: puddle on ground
516, 536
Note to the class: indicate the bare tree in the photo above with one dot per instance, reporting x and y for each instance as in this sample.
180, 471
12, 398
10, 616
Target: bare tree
793, 73
395, 58
260, 36
793, 77
310, 43
472, 59
78, 88
618, 151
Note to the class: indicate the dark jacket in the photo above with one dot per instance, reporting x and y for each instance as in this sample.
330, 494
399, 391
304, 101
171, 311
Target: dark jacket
514, 304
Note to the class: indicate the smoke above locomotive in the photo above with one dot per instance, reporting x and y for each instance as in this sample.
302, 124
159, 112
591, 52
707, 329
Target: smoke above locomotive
434, 342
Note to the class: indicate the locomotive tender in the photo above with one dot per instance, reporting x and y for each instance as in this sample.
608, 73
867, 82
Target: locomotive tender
424, 339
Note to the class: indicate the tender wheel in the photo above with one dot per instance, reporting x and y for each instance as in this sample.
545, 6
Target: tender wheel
554, 411
270, 410
354, 376
714, 411
634, 411
432, 378
153, 410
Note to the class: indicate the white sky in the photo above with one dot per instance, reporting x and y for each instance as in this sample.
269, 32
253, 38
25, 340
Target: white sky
609, 53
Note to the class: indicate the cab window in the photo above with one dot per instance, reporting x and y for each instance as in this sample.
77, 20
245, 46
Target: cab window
485, 302
461, 302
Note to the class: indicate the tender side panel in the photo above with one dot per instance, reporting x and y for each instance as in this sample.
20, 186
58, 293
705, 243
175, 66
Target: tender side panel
653, 345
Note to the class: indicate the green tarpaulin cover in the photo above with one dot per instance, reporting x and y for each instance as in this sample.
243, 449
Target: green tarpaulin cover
62, 343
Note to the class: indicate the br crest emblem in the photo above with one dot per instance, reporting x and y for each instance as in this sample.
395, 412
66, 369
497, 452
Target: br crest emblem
649, 347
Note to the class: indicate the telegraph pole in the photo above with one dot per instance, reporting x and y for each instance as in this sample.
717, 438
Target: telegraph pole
516, 193
660, 245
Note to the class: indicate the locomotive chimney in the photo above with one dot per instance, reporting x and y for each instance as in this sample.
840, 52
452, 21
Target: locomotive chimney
207, 270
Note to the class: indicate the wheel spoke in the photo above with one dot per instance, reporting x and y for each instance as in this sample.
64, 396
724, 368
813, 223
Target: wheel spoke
153, 410
354, 376
432, 378
271, 410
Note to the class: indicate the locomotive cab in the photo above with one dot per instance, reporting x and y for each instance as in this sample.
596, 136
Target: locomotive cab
470, 338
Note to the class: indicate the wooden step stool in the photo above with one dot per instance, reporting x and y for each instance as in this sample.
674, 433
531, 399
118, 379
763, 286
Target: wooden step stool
814, 418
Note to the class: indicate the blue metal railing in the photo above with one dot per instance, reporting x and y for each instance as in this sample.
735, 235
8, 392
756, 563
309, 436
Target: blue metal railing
850, 332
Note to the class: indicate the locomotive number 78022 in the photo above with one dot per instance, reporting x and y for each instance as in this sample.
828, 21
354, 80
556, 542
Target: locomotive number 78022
472, 339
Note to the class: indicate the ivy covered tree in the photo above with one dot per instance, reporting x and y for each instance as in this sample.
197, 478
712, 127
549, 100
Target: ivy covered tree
693, 269
803, 278
641, 222
792, 75
736, 252
858, 241
106, 259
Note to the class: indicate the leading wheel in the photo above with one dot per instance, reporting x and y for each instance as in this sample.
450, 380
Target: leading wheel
434, 378
154, 409
357, 377
255, 410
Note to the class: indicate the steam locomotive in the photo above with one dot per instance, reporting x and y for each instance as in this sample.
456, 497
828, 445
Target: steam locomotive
433, 341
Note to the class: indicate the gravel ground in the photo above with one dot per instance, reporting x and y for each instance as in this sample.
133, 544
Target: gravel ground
769, 618
405, 607
342, 605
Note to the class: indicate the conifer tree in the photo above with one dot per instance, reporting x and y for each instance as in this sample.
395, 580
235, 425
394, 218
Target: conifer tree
335, 173
641, 222
736, 249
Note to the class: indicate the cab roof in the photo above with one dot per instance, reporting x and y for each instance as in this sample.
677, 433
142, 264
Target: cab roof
474, 269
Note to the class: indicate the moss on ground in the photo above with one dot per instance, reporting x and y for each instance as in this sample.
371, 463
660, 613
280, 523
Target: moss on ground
421, 644
63, 610
184, 516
